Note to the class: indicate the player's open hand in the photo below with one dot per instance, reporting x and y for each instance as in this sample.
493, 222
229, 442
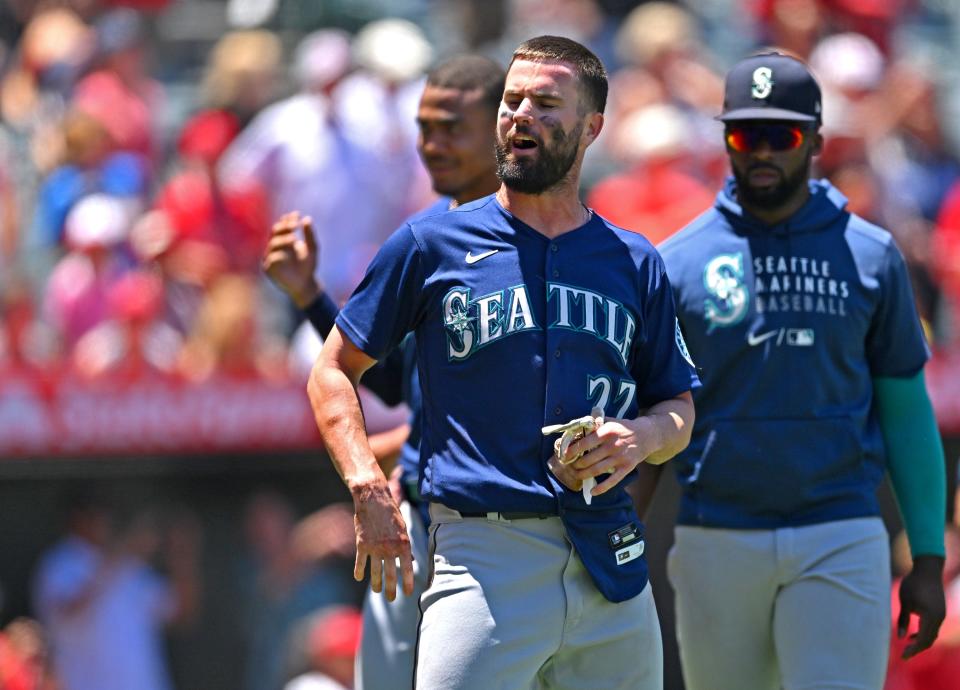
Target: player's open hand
614, 449
382, 539
289, 261
921, 594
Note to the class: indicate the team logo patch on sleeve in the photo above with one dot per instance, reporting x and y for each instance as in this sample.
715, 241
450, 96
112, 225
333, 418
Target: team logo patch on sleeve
682, 345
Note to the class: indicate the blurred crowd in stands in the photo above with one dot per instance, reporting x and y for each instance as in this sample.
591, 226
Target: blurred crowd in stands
146, 146
141, 162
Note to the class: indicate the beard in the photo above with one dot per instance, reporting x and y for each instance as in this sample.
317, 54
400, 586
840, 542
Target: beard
537, 175
772, 197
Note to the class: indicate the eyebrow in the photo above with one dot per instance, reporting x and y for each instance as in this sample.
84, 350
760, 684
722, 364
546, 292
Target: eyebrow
551, 95
441, 118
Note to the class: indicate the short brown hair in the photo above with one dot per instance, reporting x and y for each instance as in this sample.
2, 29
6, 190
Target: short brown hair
470, 73
590, 71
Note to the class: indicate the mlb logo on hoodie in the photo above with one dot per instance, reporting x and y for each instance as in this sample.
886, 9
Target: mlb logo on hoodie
800, 337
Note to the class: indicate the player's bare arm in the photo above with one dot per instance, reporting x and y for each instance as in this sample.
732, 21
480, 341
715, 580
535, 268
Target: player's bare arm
290, 258
380, 531
620, 445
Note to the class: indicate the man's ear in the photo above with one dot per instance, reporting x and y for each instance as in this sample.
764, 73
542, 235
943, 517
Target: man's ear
817, 147
594, 125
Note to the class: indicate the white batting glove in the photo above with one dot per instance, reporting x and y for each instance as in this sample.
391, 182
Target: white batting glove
572, 431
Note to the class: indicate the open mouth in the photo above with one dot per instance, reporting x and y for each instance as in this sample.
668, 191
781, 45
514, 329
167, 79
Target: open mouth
523, 142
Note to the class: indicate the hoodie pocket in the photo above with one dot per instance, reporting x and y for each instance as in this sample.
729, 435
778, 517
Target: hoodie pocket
777, 467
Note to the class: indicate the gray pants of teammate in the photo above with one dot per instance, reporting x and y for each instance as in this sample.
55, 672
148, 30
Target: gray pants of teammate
797, 608
511, 607
386, 657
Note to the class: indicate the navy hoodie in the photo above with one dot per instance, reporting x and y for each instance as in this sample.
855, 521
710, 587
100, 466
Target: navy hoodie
787, 325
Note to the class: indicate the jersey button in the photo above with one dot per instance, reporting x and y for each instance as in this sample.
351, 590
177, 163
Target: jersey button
556, 354
558, 410
554, 248
556, 273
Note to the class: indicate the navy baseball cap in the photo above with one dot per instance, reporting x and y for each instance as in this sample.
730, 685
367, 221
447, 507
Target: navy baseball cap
771, 86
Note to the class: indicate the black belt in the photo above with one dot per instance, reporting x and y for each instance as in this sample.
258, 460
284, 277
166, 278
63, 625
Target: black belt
507, 515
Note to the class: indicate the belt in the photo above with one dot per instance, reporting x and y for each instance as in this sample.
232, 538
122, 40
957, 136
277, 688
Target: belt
507, 515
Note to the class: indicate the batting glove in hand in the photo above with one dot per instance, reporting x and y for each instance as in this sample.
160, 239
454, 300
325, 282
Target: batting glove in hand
572, 431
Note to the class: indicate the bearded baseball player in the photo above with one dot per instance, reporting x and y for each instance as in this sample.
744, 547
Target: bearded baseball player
456, 118
800, 317
529, 312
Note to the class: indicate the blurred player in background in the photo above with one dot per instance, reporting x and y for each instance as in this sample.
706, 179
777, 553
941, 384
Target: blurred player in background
456, 118
802, 324
528, 309
104, 605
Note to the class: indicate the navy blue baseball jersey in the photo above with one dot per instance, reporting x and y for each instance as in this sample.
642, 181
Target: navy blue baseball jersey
788, 325
516, 331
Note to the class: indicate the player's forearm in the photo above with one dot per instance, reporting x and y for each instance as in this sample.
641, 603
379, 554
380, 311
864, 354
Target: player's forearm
339, 418
669, 424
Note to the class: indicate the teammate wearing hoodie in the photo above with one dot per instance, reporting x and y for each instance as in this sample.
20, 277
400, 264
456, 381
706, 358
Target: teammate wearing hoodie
800, 319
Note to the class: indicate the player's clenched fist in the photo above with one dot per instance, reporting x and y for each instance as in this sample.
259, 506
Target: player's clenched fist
382, 539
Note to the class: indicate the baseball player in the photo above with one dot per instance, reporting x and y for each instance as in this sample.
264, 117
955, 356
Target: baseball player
456, 118
528, 310
801, 321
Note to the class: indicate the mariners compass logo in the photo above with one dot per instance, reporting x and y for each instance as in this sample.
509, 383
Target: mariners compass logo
762, 83
728, 297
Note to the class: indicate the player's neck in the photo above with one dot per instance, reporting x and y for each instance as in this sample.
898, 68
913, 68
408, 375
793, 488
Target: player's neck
485, 186
553, 213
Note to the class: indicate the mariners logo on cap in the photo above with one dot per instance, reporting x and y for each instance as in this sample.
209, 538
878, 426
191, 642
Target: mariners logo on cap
762, 82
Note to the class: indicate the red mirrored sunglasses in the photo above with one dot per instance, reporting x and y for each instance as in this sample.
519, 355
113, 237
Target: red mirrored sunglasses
780, 137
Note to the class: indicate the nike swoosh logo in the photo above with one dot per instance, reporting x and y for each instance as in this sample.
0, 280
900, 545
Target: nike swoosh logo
474, 258
754, 339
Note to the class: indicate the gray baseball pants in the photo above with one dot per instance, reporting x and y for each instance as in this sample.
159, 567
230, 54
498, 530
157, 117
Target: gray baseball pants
511, 607
804, 608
